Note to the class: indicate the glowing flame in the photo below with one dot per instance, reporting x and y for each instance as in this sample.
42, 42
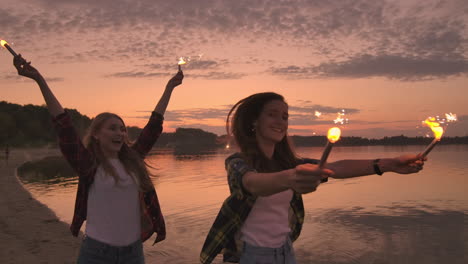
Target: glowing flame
182, 61
227, 146
334, 134
3, 42
318, 114
435, 127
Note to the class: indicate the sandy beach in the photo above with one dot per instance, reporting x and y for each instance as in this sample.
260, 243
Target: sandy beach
29, 231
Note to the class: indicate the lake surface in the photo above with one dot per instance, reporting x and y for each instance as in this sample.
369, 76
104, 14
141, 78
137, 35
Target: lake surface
417, 218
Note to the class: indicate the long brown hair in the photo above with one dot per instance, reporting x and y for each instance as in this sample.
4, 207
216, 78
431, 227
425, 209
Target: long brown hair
131, 160
247, 111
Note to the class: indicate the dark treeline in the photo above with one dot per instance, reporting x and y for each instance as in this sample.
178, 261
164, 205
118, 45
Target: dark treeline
31, 126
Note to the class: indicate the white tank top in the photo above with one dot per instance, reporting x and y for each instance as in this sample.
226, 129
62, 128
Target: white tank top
267, 224
113, 215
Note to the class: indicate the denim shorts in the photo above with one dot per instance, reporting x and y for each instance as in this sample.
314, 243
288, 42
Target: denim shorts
96, 252
263, 255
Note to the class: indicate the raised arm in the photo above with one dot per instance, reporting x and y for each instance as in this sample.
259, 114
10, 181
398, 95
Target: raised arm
405, 164
151, 132
171, 84
25, 69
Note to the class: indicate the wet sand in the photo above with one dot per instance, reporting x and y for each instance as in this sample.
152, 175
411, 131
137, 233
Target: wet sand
29, 231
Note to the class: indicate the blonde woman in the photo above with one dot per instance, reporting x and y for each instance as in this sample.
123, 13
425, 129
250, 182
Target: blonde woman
115, 194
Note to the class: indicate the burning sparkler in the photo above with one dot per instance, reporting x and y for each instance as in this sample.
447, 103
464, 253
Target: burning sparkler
437, 129
182, 61
333, 136
7, 46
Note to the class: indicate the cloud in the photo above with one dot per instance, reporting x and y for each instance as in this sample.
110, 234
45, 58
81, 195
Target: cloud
389, 66
404, 40
193, 64
134, 74
218, 76
17, 78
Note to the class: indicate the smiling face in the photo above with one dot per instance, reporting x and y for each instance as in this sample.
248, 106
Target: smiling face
111, 136
272, 124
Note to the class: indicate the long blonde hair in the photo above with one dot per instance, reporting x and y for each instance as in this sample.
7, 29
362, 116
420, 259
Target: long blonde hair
131, 160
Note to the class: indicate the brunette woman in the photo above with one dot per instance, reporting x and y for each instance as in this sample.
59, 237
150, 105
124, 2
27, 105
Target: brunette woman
264, 214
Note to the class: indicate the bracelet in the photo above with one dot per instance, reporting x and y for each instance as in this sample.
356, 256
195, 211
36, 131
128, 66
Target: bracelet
377, 168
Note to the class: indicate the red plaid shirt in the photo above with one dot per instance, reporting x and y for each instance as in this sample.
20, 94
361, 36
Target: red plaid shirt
82, 161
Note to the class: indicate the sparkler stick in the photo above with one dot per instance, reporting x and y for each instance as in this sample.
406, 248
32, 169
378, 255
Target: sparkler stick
7, 46
430, 147
333, 136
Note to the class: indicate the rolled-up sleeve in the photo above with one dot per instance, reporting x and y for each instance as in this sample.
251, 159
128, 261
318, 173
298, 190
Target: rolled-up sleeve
236, 168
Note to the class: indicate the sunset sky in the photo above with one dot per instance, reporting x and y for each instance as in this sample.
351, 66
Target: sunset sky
389, 64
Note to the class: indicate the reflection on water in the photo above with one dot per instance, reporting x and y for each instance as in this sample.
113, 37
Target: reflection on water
375, 219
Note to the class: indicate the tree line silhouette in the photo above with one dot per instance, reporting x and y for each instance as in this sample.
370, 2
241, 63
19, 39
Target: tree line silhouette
31, 126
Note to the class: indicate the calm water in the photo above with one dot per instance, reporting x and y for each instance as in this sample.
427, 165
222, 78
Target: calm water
419, 218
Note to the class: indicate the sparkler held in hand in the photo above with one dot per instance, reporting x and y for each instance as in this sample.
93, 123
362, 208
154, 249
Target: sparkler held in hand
7, 46
437, 129
182, 61
333, 136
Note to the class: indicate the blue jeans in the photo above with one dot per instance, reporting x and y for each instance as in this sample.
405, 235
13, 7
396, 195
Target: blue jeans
96, 252
263, 255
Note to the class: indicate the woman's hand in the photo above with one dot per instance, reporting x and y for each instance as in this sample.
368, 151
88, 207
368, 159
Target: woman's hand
25, 69
307, 177
176, 80
407, 164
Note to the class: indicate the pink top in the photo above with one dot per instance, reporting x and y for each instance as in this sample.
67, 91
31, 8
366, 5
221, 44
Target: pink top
113, 209
267, 225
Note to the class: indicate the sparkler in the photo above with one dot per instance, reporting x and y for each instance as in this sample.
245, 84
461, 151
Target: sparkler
437, 129
182, 61
333, 136
7, 46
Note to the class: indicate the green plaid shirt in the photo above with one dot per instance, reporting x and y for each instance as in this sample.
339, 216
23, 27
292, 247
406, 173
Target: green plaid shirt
235, 210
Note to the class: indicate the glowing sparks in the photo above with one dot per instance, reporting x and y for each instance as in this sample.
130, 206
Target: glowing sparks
340, 119
334, 134
436, 123
451, 117
318, 114
182, 61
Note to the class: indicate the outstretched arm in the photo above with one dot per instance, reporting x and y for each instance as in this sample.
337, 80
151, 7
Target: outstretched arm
304, 178
171, 84
405, 164
25, 69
